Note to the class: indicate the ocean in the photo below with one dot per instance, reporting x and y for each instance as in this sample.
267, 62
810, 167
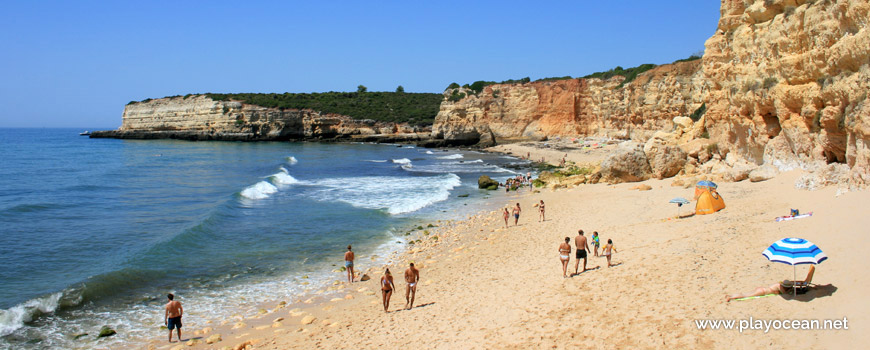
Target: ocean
96, 232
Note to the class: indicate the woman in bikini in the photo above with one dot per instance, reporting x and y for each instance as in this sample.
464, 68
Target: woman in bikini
760, 291
541, 209
608, 249
564, 255
387, 287
507, 215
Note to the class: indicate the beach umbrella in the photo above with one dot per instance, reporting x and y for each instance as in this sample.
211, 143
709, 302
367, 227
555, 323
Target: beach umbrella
679, 201
706, 183
794, 251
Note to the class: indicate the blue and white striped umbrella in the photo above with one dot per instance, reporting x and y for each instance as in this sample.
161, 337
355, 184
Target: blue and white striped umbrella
794, 251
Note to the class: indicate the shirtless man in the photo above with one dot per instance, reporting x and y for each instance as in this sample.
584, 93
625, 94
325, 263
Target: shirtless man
517, 211
412, 276
348, 263
172, 316
582, 249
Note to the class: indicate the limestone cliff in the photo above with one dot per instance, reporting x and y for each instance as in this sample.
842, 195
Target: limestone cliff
575, 107
201, 118
785, 82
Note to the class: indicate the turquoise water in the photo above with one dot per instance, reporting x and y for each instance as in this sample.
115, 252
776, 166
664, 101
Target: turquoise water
96, 231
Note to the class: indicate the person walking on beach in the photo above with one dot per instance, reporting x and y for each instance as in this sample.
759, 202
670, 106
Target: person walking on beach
565, 255
172, 316
412, 276
507, 215
582, 248
608, 250
596, 242
348, 263
541, 217
517, 211
387, 288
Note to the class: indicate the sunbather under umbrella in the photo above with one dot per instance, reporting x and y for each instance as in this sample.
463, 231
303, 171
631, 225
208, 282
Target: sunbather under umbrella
794, 251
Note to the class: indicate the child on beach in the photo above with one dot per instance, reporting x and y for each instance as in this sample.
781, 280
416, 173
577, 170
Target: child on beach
564, 255
608, 249
596, 241
387, 287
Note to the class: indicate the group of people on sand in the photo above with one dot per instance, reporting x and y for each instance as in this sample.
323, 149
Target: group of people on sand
412, 277
515, 212
582, 248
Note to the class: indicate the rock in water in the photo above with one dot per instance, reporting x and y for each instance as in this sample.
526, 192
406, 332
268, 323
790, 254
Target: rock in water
79, 336
485, 182
106, 331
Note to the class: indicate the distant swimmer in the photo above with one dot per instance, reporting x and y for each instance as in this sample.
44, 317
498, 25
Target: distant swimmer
387, 288
172, 316
348, 263
412, 276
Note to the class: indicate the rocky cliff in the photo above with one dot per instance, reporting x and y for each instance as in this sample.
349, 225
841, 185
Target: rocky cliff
785, 82
201, 118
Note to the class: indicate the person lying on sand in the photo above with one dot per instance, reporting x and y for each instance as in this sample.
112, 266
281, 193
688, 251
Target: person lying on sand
760, 291
608, 250
564, 255
387, 287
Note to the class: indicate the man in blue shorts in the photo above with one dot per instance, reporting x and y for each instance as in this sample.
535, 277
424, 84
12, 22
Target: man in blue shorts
172, 317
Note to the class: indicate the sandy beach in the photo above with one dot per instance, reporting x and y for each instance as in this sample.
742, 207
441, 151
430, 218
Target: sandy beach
484, 286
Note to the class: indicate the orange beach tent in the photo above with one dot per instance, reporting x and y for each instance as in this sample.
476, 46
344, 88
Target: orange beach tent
709, 201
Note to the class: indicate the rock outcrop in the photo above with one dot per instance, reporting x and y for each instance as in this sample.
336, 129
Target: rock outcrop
784, 82
627, 164
201, 118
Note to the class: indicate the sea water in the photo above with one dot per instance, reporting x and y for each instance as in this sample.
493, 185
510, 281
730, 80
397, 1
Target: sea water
96, 232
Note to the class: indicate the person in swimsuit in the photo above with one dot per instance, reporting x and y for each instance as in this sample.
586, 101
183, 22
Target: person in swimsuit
517, 211
387, 287
541, 211
564, 255
507, 215
596, 242
172, 316
412, 276
582, 248
760, 291
608, 249
348, 263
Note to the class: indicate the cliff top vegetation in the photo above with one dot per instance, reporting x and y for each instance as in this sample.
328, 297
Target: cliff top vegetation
397, 107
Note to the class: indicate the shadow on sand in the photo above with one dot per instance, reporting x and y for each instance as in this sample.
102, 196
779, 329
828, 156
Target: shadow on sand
817, 291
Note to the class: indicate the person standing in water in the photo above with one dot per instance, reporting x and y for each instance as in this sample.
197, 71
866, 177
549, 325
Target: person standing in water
172, 316
412, 276
541, 210
387, 288
348, 263
517, 211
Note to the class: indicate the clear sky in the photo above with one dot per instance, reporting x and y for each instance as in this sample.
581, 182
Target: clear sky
77, 63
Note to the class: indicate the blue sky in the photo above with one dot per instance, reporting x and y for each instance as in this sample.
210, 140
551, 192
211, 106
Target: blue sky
76, 64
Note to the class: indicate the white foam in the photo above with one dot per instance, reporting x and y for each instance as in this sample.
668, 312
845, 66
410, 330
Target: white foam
430, 152
377, 160
402, 161
16, 316
291, 160
395, 194
260, 190
452, 156
283, 178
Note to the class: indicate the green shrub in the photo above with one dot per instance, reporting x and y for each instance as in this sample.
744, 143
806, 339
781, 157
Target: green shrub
629, 74
699, 112
769, 82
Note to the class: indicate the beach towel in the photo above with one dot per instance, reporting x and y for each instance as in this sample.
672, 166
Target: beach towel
792, 217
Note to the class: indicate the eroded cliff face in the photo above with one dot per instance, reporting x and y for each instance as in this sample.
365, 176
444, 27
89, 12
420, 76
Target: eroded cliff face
575, 107
789, 83
785, 82
201, 118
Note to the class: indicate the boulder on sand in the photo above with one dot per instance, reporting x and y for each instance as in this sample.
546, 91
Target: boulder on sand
665, 158
485, 182
628, 163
